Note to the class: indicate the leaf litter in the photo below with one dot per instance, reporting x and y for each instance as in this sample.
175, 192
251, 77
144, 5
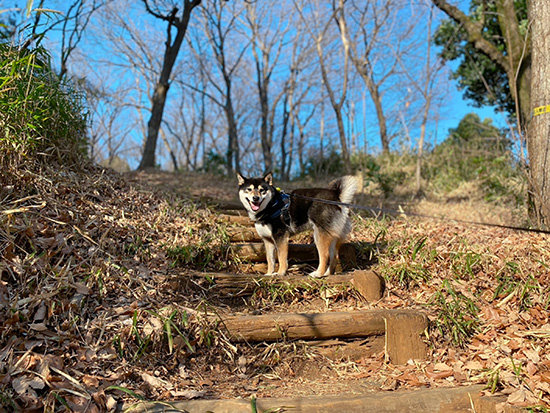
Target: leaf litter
96, 308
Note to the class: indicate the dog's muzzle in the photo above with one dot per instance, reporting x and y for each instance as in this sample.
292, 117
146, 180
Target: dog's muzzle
255, 203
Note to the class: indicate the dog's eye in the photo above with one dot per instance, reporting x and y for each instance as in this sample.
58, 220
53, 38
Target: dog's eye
262, 191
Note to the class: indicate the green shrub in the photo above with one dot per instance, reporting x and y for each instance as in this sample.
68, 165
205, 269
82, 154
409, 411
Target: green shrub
381, 170
475, 151
215, 163
38, 113
329, 164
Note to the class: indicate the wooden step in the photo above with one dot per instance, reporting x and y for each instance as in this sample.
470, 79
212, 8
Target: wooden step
237, 219
243, 234
368, 283
246, 284
435, 400
225, 206
255, 252
402, 329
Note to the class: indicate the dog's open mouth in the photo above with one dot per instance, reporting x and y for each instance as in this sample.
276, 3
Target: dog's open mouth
255, 205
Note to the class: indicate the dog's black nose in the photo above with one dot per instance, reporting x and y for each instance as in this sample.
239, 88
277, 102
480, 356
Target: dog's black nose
255, 198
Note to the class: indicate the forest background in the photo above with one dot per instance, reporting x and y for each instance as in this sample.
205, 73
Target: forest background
301, 89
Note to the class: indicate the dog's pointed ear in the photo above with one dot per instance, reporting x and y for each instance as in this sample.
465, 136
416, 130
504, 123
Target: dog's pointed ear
240, 178
268, 177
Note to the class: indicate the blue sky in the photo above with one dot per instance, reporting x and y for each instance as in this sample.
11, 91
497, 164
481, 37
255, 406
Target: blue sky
455, 106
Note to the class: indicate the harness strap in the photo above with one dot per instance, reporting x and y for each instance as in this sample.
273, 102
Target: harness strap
278, 208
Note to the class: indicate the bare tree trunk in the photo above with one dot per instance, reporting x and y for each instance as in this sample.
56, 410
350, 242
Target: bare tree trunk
170, 151
377, 100
426, 92
363, 61
284, 153
232, 155
161, 89
420, 151
538, 139
292, 135
218, 31
336, 104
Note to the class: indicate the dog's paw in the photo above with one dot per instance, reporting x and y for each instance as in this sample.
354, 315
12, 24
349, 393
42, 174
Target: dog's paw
317, 274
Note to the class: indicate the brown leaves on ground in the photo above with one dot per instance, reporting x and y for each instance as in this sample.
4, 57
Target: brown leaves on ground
95, 308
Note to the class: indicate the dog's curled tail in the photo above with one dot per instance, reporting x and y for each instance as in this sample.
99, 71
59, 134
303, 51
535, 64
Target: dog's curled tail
347, 186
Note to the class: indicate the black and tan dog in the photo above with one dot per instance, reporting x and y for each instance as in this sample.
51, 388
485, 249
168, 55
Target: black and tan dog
277, 215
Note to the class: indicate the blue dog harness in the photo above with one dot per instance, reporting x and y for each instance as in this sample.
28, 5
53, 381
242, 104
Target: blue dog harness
279, 208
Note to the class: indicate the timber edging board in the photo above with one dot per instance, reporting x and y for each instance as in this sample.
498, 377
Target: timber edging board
402, 329
367, 283
436, 400
245, 284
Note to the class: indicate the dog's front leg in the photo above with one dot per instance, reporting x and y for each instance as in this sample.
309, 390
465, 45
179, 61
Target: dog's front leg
270, 253
282, 254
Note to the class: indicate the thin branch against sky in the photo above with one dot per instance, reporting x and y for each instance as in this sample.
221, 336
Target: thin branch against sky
129, 57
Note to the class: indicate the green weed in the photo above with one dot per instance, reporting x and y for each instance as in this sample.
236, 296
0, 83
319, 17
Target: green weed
457, 315
38, 113
412, 266
493, 381
466, 264
6, 400
196, 255
525, 290
142, 342
171, 324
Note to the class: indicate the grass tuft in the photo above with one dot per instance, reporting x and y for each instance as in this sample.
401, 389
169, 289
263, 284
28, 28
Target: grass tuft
457, 314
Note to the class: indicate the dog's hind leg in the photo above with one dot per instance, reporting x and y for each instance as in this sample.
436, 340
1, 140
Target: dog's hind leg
323, 241
335, 246
270, 254
333, 256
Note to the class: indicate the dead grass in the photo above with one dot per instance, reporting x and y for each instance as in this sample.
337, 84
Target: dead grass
95, 308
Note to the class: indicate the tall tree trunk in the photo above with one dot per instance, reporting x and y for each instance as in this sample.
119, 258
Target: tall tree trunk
170, 151
161, 89
266, 139
382, 124
420, 151
538, 137
232, 154
336, 103
426, 93
284, 153
519, 71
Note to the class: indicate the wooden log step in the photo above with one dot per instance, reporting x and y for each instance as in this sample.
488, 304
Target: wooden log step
243, 234
304, 326
236, 219
436, 400
255, 252
226, 206
369, 284
246, 284
402, 329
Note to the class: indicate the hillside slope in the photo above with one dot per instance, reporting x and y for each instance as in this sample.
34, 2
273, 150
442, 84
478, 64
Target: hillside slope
96, 307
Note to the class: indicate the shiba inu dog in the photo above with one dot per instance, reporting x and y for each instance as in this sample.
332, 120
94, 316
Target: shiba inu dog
277, 215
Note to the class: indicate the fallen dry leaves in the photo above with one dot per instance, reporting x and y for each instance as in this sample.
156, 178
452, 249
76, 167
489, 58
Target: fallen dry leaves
94, 313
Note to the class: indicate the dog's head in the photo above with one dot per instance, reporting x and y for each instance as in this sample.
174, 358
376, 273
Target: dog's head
255, 193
